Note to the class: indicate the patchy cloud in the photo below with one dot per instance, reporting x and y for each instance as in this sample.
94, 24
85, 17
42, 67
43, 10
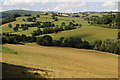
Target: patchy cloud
108, 4
61, 5
69, 6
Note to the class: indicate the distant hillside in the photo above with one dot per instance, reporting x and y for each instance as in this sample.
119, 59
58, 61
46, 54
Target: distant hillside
21, 12
4, 15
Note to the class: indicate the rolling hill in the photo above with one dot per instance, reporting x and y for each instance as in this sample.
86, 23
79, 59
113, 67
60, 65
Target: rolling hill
21, 12
87, 32
79, 63
32, 60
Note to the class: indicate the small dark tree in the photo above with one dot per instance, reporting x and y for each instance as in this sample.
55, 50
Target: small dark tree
15, 29
38, 16
10, 25
70, 24
73, 21
49, 39
23, 19
34, 18
17, 25
22, 25
63, 24
29, 19
52, 25
39, 40
56, 19
25, 28
45, 40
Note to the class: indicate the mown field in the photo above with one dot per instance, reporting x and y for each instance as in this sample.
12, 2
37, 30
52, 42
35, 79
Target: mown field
64, 62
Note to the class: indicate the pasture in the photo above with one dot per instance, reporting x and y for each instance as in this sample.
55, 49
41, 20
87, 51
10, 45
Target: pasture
87, 32
63, 62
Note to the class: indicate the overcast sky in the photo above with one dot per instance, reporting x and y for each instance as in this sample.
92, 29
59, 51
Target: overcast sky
60, 5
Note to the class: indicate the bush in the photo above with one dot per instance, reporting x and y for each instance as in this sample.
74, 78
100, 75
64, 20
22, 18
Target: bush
45, 40
10, 25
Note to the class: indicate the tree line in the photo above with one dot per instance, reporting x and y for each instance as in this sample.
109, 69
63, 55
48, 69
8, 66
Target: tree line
48, 27
16, 39
68, 42
55, 28
109, 45
35, 24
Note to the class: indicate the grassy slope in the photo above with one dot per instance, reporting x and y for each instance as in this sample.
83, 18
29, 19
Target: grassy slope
19, 20
90, 34
87, 32
77, 62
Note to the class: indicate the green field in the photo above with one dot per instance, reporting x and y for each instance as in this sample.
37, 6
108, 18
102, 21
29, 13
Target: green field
48, 18
90, 33
79, 63
87, 32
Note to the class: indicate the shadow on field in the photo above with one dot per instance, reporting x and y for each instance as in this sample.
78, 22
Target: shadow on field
85, 35
14, 71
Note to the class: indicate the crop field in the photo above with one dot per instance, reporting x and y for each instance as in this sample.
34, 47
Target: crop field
79, 63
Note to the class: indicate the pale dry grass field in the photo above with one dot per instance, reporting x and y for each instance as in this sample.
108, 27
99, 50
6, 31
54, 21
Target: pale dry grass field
64, 62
